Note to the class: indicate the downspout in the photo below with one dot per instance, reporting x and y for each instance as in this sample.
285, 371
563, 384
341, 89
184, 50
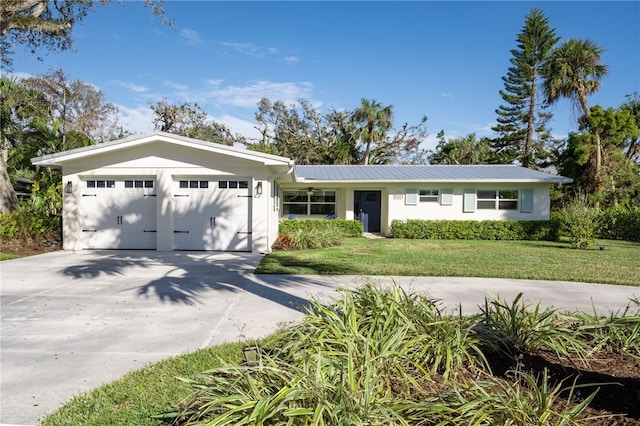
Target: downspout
270, 180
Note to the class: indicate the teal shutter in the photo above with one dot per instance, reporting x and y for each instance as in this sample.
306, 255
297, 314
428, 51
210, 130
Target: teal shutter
411, 197
446, 197
469, 204
526, 200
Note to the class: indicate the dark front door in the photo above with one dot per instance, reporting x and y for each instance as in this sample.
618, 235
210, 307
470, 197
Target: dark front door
367, 209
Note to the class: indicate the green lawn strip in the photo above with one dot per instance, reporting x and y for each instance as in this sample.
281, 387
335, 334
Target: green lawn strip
8, 256
142, 394
536, 260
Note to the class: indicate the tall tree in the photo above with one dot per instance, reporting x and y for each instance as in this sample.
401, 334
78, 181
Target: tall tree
574, 72
80, 106
632, 105
616, 129
373, 121
48, 24
466, 150
521, 128
18, 105
191, 120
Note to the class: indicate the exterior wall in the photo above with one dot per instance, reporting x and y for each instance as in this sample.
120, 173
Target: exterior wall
394, 202
455, 211
165, 163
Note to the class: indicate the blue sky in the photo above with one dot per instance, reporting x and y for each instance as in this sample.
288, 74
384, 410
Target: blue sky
444, 60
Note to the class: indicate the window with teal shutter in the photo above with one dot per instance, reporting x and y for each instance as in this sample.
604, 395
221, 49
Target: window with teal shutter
411, 197
469, 204
446, 197
527, 200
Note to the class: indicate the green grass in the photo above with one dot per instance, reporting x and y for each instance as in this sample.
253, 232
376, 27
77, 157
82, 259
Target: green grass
140, 395
9, 256
536, 260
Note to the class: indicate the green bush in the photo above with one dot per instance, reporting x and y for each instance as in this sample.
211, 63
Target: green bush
620, 223
28, 224
347, 228
475, 230
580, 223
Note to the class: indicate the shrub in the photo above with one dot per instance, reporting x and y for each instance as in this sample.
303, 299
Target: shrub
28, 224
475, 230
620, 223
580, 223
348, 228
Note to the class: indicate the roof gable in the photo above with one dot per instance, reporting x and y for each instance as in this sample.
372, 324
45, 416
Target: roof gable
58, 159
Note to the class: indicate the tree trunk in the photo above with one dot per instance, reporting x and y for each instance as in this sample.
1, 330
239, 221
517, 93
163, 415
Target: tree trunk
8, 198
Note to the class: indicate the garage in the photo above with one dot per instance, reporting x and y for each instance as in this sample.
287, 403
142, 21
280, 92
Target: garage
211, 214
166, 192
118, 213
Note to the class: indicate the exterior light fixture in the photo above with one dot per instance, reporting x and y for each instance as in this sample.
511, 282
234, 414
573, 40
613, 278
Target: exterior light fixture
68, 188
259, 189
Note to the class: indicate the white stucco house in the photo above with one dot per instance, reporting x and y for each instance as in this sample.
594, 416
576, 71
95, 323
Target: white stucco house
166, 192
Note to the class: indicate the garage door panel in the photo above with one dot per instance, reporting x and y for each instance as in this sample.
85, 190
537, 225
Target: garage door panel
214, 217
114, 216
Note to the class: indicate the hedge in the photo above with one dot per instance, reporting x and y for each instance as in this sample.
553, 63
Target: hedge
348, 228
620, 223
476, 230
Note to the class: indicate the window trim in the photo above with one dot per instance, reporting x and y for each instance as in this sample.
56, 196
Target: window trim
497, 199
309, 203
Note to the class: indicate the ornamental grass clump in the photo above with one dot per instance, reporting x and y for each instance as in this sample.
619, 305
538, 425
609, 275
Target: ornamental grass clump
384, 357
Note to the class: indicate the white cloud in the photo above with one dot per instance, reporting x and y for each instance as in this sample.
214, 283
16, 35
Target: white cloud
292, 59
239, 126
131, 86
249, 96
177, 86
137, 120
192, 37
17, 75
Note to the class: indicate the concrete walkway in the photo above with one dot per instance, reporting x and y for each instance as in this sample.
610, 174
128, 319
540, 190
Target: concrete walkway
72, 321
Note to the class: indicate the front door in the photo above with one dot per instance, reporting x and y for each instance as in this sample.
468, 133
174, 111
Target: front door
367, 209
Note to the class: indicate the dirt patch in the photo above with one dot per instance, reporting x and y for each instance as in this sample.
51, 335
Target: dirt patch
31, 246
616, 377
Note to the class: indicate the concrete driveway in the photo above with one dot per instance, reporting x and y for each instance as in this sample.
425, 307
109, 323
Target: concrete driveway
74, 320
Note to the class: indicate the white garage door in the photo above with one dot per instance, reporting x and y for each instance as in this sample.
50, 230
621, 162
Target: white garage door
211, 214
118, 213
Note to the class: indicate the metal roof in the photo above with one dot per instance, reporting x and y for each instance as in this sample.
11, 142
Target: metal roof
420, 173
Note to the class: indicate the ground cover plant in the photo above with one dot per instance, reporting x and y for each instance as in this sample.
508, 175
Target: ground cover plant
382, 356
616, 263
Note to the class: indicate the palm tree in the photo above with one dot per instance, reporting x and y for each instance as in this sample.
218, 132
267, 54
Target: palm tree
574, 72
374, 121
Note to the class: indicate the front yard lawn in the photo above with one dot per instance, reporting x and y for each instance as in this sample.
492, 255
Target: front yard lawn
616, 263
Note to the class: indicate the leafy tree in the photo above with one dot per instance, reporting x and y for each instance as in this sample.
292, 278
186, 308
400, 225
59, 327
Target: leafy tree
373, 121
466, 150
574, 72
633, 106
191, 121
522, 120
80, 106
18, 104
46, 24
619, 181
339, 137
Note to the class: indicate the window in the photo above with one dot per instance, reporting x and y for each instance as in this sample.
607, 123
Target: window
233, 184
497, 199
194, 184
101, 184
138, 184
429, 195
309, 203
